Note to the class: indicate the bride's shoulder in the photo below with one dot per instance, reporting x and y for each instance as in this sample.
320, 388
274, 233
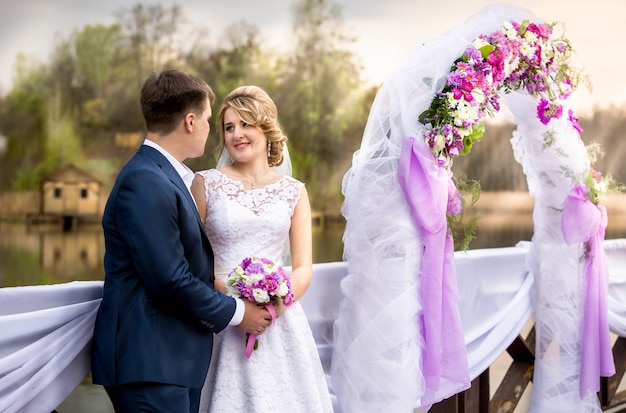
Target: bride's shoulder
209, 174
291, 179
292, 182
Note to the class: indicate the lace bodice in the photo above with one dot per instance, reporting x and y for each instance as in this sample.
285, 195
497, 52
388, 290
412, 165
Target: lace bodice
243, 223
285, 373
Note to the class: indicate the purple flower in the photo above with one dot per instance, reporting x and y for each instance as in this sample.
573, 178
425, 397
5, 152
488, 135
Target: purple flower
473, 54
547, 111
255, 268
269, 285
574, 121
246, 261
288, 299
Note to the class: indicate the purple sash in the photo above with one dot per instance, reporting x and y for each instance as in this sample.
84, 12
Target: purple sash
426, 190
583, 221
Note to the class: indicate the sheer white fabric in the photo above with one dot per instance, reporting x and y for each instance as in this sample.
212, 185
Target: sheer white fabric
494, 299
377, 367
554, 160
45, 343
285, 373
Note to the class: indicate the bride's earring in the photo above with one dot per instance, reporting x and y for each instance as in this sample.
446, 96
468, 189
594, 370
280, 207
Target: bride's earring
269, 148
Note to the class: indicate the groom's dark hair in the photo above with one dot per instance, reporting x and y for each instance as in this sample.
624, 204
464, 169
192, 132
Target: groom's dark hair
168, 96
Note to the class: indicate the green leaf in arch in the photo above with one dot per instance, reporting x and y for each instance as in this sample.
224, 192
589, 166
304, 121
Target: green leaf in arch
476, 133
524, 27
486, 50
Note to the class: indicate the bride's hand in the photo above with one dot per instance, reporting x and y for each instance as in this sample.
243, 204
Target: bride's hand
279, 307
220, 285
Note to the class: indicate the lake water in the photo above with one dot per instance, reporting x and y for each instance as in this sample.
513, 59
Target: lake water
46, 255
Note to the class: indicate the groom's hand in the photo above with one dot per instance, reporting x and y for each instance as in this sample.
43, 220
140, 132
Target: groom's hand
255, 318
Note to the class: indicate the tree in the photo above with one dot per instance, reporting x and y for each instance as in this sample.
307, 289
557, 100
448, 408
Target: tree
240, 59
94, 50
23, 122
320, 98
152, 35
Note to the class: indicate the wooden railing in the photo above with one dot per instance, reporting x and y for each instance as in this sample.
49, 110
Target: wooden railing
519, 374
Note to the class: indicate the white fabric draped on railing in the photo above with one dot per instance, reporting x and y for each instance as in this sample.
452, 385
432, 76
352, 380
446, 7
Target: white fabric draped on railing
45, 342
46, 330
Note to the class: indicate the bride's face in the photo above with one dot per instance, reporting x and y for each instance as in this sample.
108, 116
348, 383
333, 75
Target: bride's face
243, 141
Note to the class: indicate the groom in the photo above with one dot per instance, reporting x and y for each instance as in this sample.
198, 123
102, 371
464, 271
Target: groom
154, 329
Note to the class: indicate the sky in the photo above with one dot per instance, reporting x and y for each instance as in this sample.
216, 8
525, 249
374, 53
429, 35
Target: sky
385, 31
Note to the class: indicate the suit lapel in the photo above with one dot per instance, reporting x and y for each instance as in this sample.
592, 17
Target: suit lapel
174, 177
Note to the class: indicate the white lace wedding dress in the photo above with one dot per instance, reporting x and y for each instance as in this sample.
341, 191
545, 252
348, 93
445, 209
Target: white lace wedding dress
285, 373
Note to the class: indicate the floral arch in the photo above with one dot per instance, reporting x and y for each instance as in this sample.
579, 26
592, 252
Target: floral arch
399, 250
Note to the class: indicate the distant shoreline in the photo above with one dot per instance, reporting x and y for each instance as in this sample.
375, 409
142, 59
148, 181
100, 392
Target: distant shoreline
516, 201
515, 209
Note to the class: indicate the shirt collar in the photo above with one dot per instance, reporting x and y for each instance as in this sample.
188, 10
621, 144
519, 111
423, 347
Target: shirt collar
186, 174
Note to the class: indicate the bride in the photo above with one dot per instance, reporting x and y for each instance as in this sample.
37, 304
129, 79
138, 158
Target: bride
250, 209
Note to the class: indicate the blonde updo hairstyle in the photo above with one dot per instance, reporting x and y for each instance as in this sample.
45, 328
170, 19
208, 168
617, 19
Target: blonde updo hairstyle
255, 107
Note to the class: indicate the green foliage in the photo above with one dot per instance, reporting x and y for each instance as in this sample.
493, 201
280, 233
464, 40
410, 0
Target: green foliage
23, 121
320, 99
63, 144
597, 183
71, 109
152, 38
30, 178
463, 226
94, 113
94, 52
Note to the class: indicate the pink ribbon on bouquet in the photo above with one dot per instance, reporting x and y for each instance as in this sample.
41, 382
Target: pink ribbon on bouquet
583, 221
252, 337
426, 191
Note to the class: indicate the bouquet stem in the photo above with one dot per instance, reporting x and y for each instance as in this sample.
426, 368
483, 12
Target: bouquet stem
252, 343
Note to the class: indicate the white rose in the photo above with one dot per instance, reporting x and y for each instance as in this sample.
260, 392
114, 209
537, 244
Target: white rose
478, 96
282, 289
232, 291
480, 42
439, 143
255, 278
260, 296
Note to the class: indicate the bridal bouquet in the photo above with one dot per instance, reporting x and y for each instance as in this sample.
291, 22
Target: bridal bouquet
259, 280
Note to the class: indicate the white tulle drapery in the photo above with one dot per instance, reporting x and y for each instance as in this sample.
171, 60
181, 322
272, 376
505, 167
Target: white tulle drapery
554, 160
377, 364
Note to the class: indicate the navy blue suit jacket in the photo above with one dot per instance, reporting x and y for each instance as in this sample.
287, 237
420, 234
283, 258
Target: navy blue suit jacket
159, 308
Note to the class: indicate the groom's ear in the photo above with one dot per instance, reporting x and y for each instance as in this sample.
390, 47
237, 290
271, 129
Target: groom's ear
189, 120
